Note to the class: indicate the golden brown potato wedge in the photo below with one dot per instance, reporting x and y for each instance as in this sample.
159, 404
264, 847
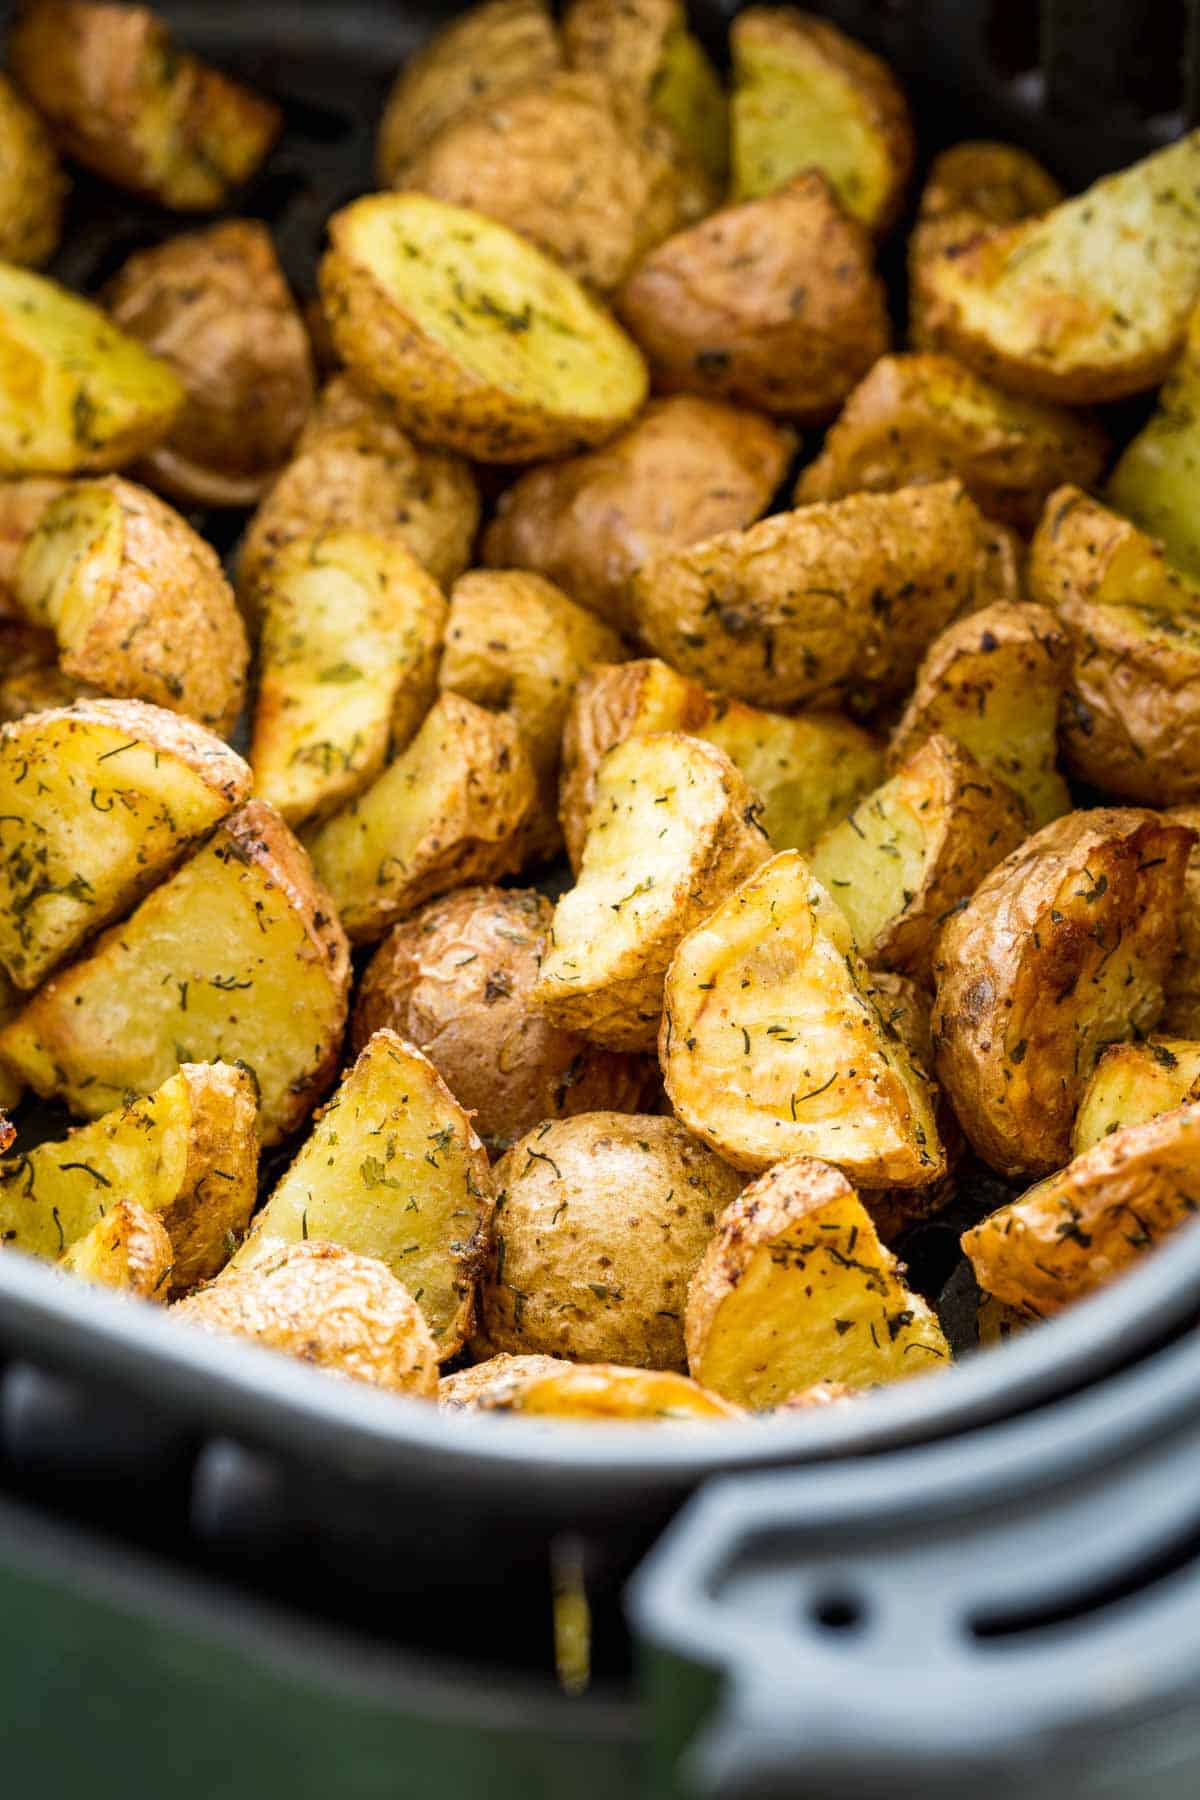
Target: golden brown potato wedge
347, 667
128, 1249
468, 1389
1135, 1082
30, 678
773, 1044
1154, 483
32, 184
774, 303
138, 601
905, 1007
98, 802
600, 1223
996, 1321
11, 1001
23, 500
485, 345
1181, 1014
237, 957
1062, 949
672, 830
795, 1288
608, 1391
451, 809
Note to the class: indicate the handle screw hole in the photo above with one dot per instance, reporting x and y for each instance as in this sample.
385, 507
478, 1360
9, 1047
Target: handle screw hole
839, 1612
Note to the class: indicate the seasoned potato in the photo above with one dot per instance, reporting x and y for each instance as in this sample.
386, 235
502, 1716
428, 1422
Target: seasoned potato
1131, 723
584, 171
485, 345
994, 683
32, 184
1075, 1231
120, 97
808, 771
673, 828
1154, 483
910, 852
394, 1170
1135, 1082
821, 1393
137, 600
805, 96
346, 1314
128, 1249
351, 633
1062, 949
1181, 1014
905, 1006
237, 957
457, 981
996, 1321
817, 607
795, 1288
449, 810
23, 500
607, 1391
187, 1153
1087, 302
774, 303
11, 1001
646, 49
473, 60
925, 417
75, 393
600, 1223
684, 469
30, 678
491, 1381
215, 306
97, 803
773, 1044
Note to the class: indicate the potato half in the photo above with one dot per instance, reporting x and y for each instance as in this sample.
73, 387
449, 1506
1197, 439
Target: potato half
11, 1001
1135, 1082
32, 184
127, 1249
1154, 483
466, 1390
1181, 1014
608, 1391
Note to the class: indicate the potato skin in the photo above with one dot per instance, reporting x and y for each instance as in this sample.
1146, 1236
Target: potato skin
456, 979
129, 1250
1064, 947
467, 1390
773, 303
1181, 1014
600, 1224
609, 1391
32, 184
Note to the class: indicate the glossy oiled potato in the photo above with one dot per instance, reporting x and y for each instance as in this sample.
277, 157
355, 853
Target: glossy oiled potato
1135, 1082
32, 184
1154, 483
127, 1249
607, 1391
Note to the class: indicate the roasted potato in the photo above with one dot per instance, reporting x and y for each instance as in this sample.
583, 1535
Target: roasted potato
120, 97
1062, 949
994, 682
1154, 483
11, 1001
451, 809
794, 1287
30, 678
773, 1045
347, 666
98, 802
672, 830
1087, 302
394, 1170
607, 1391
215, 306
684, 469
485, 345
600, 1224
1181, 1014
23, 500
237, 957
188, 1153
905, 1007
457, 981
1075, 1231
773, 303
472, 61
1131, 722
1135, 1082
818, 607
806, 96
32, 184
996, 1321
491, 1381
926, 417
910, 852
346, 1314
127, 1249
137, 600
821, 1393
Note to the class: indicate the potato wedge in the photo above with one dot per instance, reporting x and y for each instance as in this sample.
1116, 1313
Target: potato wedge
996, 1321
1181, 1014
909, 853
672, 830
817, 607
1135, 1082
128, 1249
97, 803
466, 1390
449, 810
1062, 949
994, 683
796, 1288
684, 469
31, 681
1090, 301
774, 303
351, 634
11, 1001
806, 96
1131, 722
1078, 1229
32, 184
609, 1391
343, 1313
237, 957
600, 1223
137, 600
905, 1007
188, 1153
1154, 483
773, 1044
23, 500
457, 980
485, 345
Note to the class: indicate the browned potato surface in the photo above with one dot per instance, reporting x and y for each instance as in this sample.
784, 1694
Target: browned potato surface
127, 1249
821, 1393
1135, 1082
1154, 483
23, 500
32, 184
491, 1381
1181, 1014
609, 1391
30, 678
